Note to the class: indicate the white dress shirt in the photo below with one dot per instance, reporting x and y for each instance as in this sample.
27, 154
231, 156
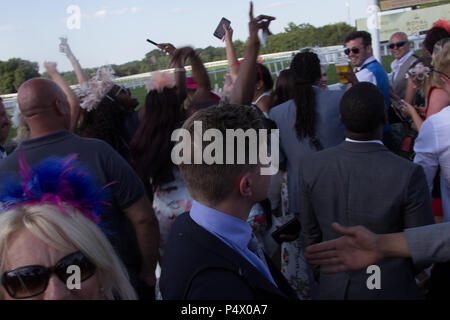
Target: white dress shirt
432, 147
397, 64
365, 75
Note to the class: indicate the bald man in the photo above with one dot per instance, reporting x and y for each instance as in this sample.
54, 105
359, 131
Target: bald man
400, 49
129, 221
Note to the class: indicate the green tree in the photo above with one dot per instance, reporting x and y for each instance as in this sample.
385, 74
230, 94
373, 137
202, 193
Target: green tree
14, 72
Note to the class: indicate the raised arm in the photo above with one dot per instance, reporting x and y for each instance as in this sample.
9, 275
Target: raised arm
244, 86
72, 98
233, 62
177, 61
202, 94
81, 76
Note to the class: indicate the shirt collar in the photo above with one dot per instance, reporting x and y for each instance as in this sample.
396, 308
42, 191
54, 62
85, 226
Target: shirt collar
367, 61
364, 141
232, 229
399, 62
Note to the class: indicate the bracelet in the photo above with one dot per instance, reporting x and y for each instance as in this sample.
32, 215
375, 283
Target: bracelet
179, 70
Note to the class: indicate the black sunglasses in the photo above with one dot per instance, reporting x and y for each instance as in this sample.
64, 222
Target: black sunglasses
31, 281
398, 44
354, 50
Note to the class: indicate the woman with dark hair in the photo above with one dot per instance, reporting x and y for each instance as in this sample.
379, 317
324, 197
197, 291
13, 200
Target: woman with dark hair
151, 153
284, 87
264, 84
307, 123
106, 120
440, 30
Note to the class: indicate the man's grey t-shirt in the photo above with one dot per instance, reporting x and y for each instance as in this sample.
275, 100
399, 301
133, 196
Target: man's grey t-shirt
108, 166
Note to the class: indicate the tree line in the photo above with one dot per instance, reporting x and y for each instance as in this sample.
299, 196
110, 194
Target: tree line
15, 71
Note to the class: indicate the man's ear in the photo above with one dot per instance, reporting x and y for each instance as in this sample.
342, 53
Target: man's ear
245, 185
59, 107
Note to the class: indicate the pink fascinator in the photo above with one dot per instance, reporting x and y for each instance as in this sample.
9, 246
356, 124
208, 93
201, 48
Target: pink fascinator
161, 80
443, 24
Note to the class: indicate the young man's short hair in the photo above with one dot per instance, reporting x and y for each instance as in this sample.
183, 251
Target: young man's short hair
366, 37
213, 183
363, 108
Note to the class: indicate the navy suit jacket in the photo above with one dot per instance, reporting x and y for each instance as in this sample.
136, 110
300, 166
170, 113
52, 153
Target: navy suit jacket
199, 266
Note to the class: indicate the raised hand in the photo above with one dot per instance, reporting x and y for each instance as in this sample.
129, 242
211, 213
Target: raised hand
260, 22
228, 37
50, 67
167, 48
179, 56
65, 48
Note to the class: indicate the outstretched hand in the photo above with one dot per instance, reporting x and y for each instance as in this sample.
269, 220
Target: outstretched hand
357, 249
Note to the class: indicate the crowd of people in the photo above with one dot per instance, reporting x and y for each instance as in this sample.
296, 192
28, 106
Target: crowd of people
90, 181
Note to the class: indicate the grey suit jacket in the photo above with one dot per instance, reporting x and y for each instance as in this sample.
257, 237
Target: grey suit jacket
429, 244
329, 130
363, 184
400, 83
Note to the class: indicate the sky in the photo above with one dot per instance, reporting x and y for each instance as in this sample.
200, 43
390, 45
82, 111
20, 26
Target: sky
114, 32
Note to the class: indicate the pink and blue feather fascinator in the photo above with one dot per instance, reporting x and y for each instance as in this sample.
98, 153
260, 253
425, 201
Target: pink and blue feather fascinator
59, 181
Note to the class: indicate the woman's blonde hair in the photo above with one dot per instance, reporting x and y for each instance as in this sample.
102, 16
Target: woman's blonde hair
441, 63
69, 232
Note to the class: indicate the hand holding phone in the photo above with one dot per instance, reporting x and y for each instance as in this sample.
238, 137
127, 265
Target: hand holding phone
291, 228
220, 33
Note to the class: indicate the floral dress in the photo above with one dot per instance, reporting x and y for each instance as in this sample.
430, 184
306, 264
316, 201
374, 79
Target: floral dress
169, 201
294, 266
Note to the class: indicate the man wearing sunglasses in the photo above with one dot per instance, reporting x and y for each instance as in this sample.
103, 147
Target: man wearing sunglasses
400, 49
358, 46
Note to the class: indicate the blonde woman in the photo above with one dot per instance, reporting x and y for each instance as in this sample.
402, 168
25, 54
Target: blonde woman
437, 98
51, 247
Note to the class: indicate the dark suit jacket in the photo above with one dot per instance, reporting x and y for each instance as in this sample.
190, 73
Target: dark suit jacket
199, 266
363, 184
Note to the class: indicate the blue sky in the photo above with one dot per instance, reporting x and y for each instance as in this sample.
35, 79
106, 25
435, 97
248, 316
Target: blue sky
114, 32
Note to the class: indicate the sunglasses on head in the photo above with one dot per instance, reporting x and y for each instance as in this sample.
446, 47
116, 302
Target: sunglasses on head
30, 281
354, 50
398, 44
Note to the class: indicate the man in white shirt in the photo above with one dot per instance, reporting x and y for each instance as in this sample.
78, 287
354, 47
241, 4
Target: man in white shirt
400, 49
367, 69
